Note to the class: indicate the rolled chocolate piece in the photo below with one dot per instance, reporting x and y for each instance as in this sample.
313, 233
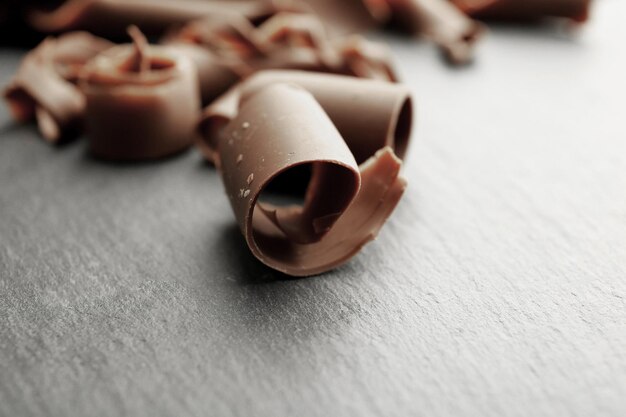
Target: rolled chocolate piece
362, 58
281, 128
111, 17
215, 74
576, 10
442, 23
369, 114
285, 41
349, 16
295, 41
142, 101
219, 48
44, 86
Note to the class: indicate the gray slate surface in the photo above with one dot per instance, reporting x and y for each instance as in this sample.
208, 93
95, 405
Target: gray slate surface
497, 289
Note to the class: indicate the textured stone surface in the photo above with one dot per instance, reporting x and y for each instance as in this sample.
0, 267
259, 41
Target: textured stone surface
497, 289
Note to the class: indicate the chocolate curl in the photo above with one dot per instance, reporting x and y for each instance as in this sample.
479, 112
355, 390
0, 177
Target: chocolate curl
136, 111
442, 23
365, 59
295, 41
139, 61
369, 114
219, 48
110, 18
231, 37
281, 128
44, 88
292, 30
576, 10
349, 16
227, 50
215, 74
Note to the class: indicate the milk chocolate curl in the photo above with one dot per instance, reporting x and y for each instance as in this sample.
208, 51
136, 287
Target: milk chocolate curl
576, 10
215, 74
218, 47
295, 41
44, 86
228, 49
369, 114
365, 59
110, 18
442, 23
349, 16
142, 110
281, 128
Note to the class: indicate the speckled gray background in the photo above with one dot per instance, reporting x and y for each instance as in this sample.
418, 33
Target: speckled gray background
497, 289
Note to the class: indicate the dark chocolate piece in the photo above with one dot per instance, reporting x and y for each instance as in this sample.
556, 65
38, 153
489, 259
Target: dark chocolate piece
442, 23
44, 86
110, 18
369, 114
280, 128
576, 10
142, 102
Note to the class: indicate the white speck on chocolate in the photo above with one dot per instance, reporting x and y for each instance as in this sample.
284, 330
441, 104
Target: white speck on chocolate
250, 179
241, 192
246, 193
245, 125
239, 159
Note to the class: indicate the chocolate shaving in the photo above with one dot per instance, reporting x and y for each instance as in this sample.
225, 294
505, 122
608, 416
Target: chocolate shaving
230, 49
344, 206
44, 86
442, 23
349, 16
364, 59
215, 74
142, 101
369, 114
110, 18
139, 60
576, 10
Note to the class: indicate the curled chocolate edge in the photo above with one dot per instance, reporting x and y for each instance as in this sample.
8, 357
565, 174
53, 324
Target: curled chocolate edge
366, 125
279, 128
44, 87
142, 101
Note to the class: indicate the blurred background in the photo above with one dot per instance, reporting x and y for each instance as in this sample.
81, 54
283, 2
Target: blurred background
497, 288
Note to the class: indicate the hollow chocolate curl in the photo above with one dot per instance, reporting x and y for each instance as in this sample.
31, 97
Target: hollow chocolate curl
142, 102
280, 128
442, 23
369, 114
44, 85
110, 18
576, 10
